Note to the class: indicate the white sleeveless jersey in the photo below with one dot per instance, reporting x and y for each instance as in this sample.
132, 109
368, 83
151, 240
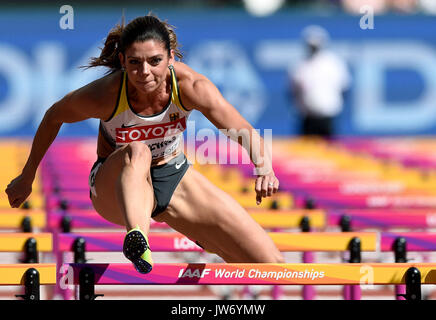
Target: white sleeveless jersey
162, 132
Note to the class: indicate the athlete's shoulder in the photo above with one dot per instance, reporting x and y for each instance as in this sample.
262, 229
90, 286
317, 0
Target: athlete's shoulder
97, 98
94, 100
185, 73
104, 88
187, 80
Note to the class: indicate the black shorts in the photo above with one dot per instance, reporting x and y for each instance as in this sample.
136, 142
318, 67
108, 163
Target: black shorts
165, 178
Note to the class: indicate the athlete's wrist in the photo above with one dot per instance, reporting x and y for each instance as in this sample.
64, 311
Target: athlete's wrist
262, 170
28, 173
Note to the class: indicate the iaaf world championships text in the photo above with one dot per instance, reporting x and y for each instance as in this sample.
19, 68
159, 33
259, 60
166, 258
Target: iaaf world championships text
252, 274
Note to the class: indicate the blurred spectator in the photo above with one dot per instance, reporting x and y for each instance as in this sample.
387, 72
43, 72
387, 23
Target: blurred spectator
404, 6
318, 83
381, 6
428, 6
354, 6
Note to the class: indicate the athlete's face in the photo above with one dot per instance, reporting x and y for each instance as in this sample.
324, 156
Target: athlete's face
146, 64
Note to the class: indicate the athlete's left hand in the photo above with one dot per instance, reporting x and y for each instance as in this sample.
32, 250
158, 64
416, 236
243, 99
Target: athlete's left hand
265, 186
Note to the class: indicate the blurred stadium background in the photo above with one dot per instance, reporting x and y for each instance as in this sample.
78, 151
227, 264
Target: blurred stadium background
246, 48
245, 54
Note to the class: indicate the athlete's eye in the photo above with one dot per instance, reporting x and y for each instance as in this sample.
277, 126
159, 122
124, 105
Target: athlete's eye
155, 61
133, 61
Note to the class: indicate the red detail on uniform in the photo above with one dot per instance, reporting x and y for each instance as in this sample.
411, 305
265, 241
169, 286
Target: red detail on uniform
161, 130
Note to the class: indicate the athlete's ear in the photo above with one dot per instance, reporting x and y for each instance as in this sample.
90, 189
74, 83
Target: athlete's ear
122, 62
171, 59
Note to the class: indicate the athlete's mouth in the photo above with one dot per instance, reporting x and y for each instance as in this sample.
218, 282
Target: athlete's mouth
144, 83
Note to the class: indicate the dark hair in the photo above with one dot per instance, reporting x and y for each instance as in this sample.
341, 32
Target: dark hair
140, 29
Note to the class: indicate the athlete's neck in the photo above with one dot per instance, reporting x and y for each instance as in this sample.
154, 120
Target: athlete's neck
153, 101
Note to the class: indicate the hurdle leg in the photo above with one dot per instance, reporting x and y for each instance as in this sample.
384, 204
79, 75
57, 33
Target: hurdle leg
400, 292
308, 290
31, 285
346, 292
353, 292
30, 251
308, 257
246, 291
345, 224
87, 284
59, 260
61, 273
277, 291
400, 252
413, 284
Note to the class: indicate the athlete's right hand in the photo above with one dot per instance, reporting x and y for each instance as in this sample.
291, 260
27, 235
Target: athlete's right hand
18, 190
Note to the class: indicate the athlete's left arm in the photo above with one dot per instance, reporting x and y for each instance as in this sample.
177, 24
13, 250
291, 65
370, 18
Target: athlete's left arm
201, 94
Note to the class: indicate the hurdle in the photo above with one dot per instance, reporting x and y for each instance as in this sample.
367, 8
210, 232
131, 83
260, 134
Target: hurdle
362, 187
267, 218
31, 276
35, 201
412, 241
67, 220
384, 219
29, 243
176, 242
23, 219
86, 276
80, 200
358, 219
329, 200
403, 242
397, 242
387, 149
80, 243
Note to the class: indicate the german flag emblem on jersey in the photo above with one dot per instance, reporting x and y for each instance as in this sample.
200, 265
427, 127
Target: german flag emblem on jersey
174, 116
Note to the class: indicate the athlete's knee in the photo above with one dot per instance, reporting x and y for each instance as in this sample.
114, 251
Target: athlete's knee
206, 246
278, 257
268, 256
272, 254
139, 153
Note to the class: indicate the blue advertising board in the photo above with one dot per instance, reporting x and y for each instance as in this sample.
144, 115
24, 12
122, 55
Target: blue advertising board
393, 65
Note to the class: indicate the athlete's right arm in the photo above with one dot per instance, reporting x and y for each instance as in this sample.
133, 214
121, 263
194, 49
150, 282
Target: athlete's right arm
81, 104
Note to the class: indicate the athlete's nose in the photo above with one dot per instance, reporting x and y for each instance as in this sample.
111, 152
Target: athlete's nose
145, 68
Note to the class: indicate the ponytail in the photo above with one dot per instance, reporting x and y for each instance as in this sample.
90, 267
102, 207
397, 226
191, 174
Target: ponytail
109, 54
